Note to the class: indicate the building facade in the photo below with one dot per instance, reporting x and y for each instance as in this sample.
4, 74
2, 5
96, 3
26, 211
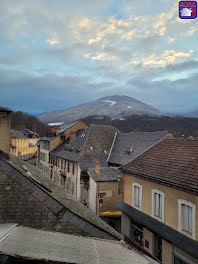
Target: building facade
160, 201
5, 125
20, 146
66, 133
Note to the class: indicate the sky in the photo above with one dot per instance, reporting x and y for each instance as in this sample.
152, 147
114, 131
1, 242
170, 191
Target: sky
55, 54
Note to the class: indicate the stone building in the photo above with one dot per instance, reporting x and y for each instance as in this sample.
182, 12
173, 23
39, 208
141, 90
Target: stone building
105, 193
160, 201
70, 162
99, 143
5, 125
21, 146
65, 134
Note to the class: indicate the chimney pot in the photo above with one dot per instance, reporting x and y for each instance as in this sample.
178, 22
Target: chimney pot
98, 167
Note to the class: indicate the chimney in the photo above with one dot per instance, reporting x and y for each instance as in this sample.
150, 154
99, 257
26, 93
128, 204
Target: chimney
97, 167
72, 136
5, 126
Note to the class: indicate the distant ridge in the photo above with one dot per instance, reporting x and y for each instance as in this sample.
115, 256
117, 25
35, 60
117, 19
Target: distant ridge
116, 106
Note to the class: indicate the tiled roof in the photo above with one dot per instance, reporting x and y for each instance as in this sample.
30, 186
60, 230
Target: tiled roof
71, 152
67, 126
129, 145
106, 174
91, 145
172, 162
30, 198
99, 141
17, 134
27, 131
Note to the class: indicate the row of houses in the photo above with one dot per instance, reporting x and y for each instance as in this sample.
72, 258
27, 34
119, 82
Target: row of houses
88, 166
148, 178
41, 222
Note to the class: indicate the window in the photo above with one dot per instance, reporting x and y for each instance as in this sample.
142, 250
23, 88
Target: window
186, 217
158, 205
73, 168
137, 196
68, 164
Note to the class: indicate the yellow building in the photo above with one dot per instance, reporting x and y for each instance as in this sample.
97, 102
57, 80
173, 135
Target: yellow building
160, 201
65, 134
20, 145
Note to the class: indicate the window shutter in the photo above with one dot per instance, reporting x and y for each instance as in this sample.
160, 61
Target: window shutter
190, 219
156, 204
160, 206
185, 218
138, 196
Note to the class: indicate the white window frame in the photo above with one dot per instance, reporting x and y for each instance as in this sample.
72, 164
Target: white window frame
180, 227
155, 191
133, 195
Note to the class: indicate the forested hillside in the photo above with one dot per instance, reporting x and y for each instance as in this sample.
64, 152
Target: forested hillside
177, 125
20, 120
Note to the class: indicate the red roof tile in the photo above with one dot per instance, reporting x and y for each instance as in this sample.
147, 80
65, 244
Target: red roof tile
172, 162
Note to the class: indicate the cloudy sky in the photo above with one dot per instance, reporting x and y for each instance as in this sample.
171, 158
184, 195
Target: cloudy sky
58, 53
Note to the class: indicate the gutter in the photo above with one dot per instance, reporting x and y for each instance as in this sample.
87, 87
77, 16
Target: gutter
112, 146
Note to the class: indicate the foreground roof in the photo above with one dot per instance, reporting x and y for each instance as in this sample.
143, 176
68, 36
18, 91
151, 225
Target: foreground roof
35, 244
172, 162
30, 198
128, 146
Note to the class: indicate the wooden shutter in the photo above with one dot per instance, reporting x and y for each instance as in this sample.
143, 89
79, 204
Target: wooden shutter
185, 217
190, 219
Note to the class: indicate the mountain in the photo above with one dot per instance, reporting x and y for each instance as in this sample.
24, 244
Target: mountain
113, 106
192, 114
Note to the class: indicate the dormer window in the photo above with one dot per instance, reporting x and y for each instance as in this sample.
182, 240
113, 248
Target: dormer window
83, 135
129, 150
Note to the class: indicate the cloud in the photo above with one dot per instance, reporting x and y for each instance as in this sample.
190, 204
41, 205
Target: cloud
93, 49
53, 41
167, 57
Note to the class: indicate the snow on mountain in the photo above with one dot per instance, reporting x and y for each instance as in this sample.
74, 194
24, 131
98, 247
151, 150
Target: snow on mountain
113, 106
109, 101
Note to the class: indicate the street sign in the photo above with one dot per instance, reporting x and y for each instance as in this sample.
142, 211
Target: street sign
100, 201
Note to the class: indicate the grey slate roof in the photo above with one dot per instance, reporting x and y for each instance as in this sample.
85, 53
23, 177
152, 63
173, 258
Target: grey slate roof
71, 151
17, 134
92, 145
105, 175
29, 243
27, 131
67, 126
32, 199
169, 234
129, 145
